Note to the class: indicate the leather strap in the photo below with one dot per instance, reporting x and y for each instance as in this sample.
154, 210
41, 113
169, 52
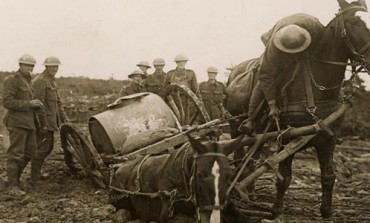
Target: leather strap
308, 88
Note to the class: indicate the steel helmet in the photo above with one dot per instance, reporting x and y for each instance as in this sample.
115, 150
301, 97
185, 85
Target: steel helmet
158, 61
137, 73
27, 59
181, 57
144, 63
212, 70
52, 61
292, 39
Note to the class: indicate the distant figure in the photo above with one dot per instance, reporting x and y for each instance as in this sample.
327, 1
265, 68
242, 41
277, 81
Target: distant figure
213, 94
18, 98
135, 86
51, 117
154, 82
144, 66
181, 76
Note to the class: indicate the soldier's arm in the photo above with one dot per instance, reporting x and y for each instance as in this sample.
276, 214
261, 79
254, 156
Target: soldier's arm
123, 91
9, 94
39, 88
166, 80
62, 113
194, 85
268, 72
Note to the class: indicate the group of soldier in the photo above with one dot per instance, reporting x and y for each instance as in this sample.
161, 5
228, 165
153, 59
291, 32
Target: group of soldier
35, 111
34, 114
211, 92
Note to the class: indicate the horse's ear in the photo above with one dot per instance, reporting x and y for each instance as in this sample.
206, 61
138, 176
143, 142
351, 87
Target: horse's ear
196, 143
343, 4
362, 3
228, 146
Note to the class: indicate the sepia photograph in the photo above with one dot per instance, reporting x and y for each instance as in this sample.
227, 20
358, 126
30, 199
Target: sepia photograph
175, 111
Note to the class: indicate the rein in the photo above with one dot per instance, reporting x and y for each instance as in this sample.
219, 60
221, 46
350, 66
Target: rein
360, 61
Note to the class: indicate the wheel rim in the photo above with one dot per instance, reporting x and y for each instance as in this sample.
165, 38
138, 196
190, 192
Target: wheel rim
80, 155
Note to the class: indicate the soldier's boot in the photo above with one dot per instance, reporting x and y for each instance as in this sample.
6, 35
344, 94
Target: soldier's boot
21, 169
36, 175
13, 181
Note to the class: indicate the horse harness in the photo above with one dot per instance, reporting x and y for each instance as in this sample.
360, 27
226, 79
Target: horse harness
172, 195
309, 78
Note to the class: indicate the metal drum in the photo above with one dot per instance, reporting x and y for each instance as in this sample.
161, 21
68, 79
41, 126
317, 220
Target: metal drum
132, 122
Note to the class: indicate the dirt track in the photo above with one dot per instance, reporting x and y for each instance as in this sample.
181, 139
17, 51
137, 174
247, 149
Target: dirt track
67, 198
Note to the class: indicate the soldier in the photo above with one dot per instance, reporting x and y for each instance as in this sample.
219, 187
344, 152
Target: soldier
213, 94
144, 66
20, 121
287, 43
185, 77
181, 76
154, 82
53, 114
135, 86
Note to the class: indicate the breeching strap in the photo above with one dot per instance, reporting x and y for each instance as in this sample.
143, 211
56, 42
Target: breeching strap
309, 93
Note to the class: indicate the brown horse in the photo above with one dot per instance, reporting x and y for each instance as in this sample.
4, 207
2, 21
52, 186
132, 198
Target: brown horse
189, 181
346, 37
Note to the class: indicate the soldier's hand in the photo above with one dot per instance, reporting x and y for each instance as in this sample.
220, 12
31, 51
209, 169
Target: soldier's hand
37, 104
66, 119
274, 112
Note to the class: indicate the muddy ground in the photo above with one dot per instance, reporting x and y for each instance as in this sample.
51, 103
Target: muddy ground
69, 198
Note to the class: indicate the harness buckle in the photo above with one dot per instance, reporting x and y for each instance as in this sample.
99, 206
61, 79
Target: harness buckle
311, 110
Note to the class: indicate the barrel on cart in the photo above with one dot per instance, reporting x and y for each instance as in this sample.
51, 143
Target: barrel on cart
138, 124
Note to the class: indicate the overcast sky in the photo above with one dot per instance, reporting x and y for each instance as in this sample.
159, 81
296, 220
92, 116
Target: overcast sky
98, 38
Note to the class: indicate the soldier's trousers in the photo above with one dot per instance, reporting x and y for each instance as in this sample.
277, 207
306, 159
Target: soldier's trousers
45, 144
21, 150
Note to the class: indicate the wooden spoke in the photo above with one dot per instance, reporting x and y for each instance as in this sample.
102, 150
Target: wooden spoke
189, 106
81, 155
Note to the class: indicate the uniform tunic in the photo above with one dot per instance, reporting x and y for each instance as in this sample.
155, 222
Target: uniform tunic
274, 61
154, 82
182, 77
213, 95
132, 88
20, 121
51, 116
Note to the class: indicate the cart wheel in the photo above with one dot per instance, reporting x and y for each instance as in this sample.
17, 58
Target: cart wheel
185, 105
80, 155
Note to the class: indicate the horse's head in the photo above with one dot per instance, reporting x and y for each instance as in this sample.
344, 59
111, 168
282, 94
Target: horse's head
355, 21
211, 176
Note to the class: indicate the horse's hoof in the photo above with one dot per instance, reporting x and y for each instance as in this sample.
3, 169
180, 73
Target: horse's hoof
280, 219
327, 220
277, 210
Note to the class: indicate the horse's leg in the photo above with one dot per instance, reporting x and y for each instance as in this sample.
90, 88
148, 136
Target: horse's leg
285, 169
325, 151
164, 217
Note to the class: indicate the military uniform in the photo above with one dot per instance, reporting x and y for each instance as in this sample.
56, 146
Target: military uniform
274, 61
21, 123
53, 114
213, 95
132, 88
182, 77
154, 82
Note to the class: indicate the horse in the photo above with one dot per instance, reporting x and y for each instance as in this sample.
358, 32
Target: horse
346, 37
190, 181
